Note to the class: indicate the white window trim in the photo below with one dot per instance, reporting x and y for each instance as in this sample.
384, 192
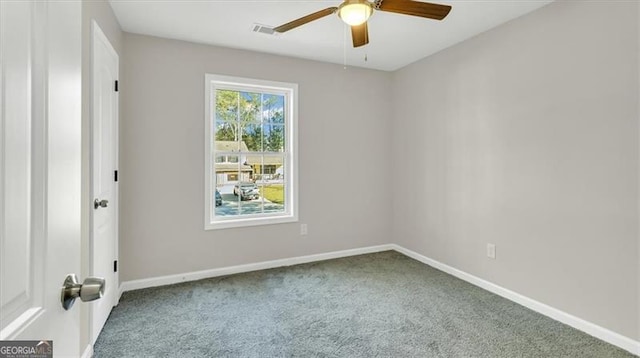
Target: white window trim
211, 83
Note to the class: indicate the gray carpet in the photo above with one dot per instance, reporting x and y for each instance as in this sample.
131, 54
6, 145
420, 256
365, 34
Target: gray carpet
376, 305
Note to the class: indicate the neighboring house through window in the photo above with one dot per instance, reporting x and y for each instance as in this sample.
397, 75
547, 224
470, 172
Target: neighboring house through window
250, 152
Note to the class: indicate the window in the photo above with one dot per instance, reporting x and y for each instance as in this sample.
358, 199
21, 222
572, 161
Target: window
250, 152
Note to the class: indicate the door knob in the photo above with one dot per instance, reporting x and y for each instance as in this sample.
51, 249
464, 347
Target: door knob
91, 289
100, 203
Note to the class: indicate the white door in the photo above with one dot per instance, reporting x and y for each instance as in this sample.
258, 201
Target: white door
104, 164
40, 156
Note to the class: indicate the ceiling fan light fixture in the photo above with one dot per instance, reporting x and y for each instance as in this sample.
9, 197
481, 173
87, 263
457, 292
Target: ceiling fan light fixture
355, 12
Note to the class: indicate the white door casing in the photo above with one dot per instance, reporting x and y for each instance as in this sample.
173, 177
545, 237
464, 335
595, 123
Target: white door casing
104, 148
40, 159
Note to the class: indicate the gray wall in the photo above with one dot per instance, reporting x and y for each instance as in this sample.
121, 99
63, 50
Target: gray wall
527, 137
344, 136
98, 10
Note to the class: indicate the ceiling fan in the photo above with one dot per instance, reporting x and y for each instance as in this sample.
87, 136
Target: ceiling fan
355, 13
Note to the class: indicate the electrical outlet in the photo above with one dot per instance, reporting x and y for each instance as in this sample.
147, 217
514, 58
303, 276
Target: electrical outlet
491, 251
303, 229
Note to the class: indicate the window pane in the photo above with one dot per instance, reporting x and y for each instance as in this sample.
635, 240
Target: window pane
227, 106
252, 137
273, 183
225, 202
249, 195
254, 162
250, 107
274, 138
225, 132
273, 108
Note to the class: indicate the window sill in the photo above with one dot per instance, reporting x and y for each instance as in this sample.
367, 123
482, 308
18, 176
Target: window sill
246, 222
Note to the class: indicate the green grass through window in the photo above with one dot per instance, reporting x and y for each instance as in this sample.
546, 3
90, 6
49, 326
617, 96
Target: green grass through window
274, 193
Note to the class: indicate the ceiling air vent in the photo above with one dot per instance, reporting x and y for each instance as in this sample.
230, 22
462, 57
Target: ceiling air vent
264, 29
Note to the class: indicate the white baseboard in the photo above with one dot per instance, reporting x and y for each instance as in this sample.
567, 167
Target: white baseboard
88, 352
230, 270
602, 333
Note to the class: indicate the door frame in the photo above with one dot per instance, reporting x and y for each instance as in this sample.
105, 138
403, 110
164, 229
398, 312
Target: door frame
98, 35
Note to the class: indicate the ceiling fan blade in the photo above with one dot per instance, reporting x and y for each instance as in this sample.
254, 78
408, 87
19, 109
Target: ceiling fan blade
360, 35
416, 8
305, 19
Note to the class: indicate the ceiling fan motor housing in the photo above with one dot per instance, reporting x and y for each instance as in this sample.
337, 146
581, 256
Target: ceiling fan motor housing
355, 12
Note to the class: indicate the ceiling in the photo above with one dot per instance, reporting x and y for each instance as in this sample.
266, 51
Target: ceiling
395, 40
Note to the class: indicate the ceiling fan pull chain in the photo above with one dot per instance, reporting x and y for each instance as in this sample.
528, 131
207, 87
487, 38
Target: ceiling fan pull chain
344, 46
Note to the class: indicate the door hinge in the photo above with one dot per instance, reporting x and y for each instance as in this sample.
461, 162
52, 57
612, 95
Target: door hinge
115, 175
116, 86
115, 266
